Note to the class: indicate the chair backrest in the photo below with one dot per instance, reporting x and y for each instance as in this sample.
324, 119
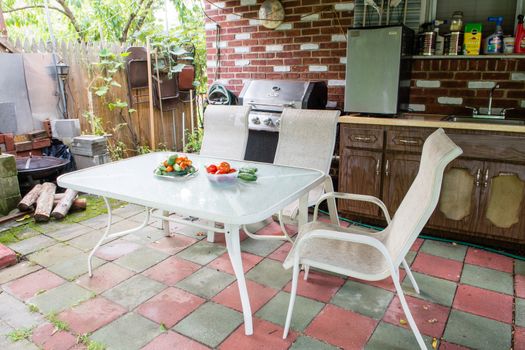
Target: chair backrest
225, 131
307, 138
422, 197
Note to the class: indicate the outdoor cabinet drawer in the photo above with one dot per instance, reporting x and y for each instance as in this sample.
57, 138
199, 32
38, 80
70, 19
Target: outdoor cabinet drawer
362, 136
407, 139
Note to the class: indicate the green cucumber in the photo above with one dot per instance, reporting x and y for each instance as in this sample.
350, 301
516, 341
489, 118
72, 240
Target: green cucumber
247, 177
248, 170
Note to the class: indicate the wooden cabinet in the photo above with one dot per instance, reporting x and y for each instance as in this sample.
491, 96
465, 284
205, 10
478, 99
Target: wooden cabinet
399, 172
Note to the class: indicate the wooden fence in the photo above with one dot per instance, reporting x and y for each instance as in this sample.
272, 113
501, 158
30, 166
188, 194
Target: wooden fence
169, 126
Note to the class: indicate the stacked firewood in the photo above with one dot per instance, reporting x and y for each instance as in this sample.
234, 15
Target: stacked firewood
46, 202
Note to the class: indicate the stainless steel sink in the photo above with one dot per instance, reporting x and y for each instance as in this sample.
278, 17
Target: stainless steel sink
465, 119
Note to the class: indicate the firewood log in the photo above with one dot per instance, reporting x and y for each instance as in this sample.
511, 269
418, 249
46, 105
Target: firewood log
44, 204
29, 199
78, 203
64, 204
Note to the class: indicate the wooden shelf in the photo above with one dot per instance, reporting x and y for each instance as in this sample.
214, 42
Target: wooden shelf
461, 57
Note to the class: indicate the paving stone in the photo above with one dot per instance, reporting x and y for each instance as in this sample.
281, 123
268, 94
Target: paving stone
114, 250
224, 264
130, 332
37, 282
7, 344
105, 277
189, 231
519, 338
387, 336
445, 250
270, 273
16, 314
128, 210
202, 252
21, 269
304, 310
31, 245
101, 221
206, 282
519, 285
171, 340
210, 324
477, 332
145, 236
307, 343
487, 278
484, 302
54, 254
171, 270
75, 266
438, 267
364, 299
134, 291
268, 335
431, 288
27, 233
173, 244
140, 259
88, 241
259, 296
319, 286
260, 247
489, 260
410, 257
69, 232
60, 298
520, 312
519, 267
281, 253
47, 337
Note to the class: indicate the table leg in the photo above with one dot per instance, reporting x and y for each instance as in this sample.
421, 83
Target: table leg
234, 251
302, 216
166, 223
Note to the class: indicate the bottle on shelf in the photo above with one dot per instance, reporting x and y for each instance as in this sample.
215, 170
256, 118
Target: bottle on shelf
519, 39
494, 42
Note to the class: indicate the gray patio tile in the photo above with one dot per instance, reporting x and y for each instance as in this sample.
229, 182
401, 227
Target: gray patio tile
33, 244
307, 343
74, 267
134, 291
141, 259
16, 314
433, 289
128, 210
100, 221
520, 267
87, 241
145, 236
69, 232
27, 233
21, 269
206, 282
362, 298
210, 324
7, 344
259, 247
445, 250
60, 298
477, 332
520, 312
387, 336
270, 273
187, 230
202, 252
487, 278
129, 332
53, 225
304, 312
54, 254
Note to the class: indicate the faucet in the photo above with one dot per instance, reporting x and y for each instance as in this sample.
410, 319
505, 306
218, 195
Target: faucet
489, 112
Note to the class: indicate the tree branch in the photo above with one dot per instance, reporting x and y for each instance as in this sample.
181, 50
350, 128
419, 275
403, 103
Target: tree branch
140, 21
132, 16
69, 14
34, 7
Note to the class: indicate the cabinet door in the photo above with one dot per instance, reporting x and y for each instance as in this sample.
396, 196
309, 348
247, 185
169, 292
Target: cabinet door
458, 205
502, 202
360, 172
399, 172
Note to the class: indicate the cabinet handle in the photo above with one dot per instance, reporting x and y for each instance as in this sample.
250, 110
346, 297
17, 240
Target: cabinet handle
378, 166
363, 138
478, 177
486, 182
387, 166
408, 142
507, 174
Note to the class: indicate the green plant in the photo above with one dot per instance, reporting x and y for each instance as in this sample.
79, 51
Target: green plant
90, 344
33, 308
20, 334
194, 140
55, 321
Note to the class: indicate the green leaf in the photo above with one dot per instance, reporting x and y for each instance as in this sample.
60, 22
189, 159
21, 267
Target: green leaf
177, 51
132, 110
101, 91
114, 83
178, 68
104, 53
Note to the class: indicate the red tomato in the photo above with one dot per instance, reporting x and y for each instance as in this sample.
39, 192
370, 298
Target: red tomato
212, 169
232, 170
221, 171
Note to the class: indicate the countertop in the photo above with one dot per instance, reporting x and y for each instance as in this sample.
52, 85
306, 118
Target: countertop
428, 121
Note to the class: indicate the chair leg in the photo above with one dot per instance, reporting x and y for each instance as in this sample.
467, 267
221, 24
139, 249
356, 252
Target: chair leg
410, 276
295, 279
211, 234
306, 271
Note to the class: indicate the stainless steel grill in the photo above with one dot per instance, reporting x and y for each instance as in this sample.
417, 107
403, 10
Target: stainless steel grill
268, 98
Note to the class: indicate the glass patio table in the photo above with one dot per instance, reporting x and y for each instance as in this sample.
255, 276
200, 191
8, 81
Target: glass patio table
132, 180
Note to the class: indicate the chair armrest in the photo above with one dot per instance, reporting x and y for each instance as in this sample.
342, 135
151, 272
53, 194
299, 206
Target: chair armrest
355, 197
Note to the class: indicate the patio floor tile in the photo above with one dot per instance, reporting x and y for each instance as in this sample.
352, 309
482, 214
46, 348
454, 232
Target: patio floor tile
33, 244
146, 235
417, 244
433, 289
443, 345
202, 252
210, 324
134, 291
270, 273
281, 253
363, 299
384, 283
141, 259
171, 340
483, 302
46, 337
91, 315
438, 267
16, 314
520, 312
88, 241
430, 318
259, 295
520, 267
173, 244
171, 270
206, 282
477, 332
101, 221
319, 286
519, 285
519, 338
190, 231
170, 306
487, 279
266, 335
7, 344
21, 269
74, 266
114, 250
341, 327
387, 336
223, 263
307, 343
128, 210
129, 332
60, 298
304, 311
105, 277
258, 247
69, 232
54, 254
490, 260
29, 285
444, 250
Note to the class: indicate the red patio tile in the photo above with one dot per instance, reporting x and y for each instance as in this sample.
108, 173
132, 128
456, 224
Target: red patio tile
281, 253
490, 260
438, 267
430, 318
7, 256
47, 338
319, 286
519, 286
105, 277
26, 287
417, 244
91, 315
519, 338
220, 239
266, 336
223, 263
171, 340
115, 250
274, 229
171, 270
173, 244
170, 306
385, 283
342, 327
484, 303
259, 295
449, 346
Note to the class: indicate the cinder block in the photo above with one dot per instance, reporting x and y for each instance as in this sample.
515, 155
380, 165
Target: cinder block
8, 204
9, 187
7, 165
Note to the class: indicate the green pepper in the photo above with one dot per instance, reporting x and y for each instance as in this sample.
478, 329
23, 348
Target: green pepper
248, 170
171, 159
247, 177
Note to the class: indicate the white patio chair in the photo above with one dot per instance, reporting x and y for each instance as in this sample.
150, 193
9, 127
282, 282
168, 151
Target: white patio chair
373, 256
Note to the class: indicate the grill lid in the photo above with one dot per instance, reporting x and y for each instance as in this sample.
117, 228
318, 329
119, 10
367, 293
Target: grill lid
274, 95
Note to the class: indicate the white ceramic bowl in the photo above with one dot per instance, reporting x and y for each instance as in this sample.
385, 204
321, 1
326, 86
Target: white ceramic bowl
222, 179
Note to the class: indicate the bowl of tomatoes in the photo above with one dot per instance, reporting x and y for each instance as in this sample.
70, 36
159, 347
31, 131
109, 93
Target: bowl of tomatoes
222, 173
176, 167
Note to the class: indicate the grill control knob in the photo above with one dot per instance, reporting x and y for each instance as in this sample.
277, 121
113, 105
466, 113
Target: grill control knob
277, 123
256, 120
268, 122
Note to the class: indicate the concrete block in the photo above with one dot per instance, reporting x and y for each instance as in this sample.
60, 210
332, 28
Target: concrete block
242, 49
8, 204
336, 82
450, 100
428, 83
344, 7
281, 68
481, 84
308, 47
318, 68
242, 36
310, 18
517, 76
9, 187
210, 26
417, 107
242, 63
7, 165
274, 48
7, 257
338, 38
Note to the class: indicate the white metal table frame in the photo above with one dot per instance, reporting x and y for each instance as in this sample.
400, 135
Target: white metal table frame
230, 230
